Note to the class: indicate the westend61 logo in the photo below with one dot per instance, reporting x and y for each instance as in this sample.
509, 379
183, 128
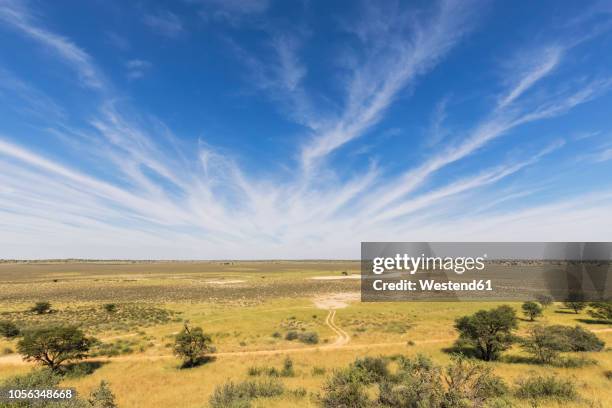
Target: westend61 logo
412, 264
520, 271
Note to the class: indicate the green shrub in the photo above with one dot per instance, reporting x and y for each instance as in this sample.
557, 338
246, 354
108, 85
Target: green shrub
538, 387
601, 311
8, 329
41, 307
545, 300
110, 307
102, 397
239, 395
309, 337
372, 369
531, 310
318, 371
576, 306
578, 338
342, 389
287, 368
291, 335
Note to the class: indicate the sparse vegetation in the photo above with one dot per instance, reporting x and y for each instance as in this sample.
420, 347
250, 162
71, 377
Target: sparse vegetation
417, 383
545, 300
308, 337
601, 311
8, 329
240, 395
110, 307
539, 387
41, 307
576, 306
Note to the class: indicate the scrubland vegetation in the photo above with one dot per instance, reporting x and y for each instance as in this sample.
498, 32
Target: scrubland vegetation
263, 334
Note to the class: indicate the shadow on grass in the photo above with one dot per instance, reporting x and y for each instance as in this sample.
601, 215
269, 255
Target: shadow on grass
197, 363
594, 321
81, 369
566, 312
469, 352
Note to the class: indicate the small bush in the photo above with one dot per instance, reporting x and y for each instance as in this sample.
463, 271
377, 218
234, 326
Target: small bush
608, 374
538, 387
239, 395
545, 300
41, 307
291, 335
343, 390
531, 310
287, 368
102, 397
276, 335
299, 392
254, 371
110, 307
8, 329
309, 337
601, 311
320, 371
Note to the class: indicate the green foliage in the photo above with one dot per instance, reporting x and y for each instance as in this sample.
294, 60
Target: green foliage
576, 306
488, 331
546, 342
192, 345
342, 389
8, 329
418, 383
531, 310
287, 370
102, 397
537, 387
291, 335
53, 346
371, 369
110, 307
601, 311
309, 337
41, 307
239, 395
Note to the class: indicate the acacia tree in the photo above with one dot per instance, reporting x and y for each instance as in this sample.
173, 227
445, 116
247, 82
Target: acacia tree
576, 306
488, 331
192, 345
53, 346
532, 310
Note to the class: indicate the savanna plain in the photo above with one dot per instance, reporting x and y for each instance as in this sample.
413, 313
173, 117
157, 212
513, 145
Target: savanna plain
290, 326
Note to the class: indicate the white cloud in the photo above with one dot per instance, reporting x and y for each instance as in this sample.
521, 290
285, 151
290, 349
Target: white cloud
137, 68
164, 23
14, 15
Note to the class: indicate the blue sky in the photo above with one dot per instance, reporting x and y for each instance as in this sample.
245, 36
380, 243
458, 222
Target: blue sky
209, 129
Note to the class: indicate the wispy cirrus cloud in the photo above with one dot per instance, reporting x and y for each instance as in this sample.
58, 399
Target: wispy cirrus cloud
14, 15
164, 23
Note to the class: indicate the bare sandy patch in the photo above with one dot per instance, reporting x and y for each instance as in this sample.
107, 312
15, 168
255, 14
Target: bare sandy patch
336, 300
225, 282
352, 276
